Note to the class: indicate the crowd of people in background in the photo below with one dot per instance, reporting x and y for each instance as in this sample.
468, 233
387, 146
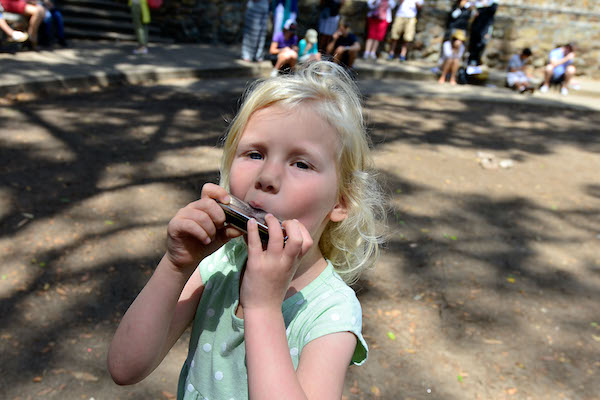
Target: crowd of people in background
468, 29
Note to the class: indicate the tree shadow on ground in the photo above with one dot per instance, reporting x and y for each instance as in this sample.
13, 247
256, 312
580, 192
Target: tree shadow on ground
72, 267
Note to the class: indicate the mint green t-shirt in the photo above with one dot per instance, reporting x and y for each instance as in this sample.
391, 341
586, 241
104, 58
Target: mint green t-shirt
216, 364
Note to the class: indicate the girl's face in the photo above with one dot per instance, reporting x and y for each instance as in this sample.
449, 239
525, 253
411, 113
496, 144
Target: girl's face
285, 164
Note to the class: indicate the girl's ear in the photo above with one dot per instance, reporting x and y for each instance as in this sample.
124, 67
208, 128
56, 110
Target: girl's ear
339, 211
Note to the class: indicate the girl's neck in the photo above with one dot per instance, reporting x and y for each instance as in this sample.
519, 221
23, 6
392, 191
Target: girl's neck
311, 266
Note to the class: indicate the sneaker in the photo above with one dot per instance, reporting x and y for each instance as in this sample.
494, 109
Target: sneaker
391, 56
544, 89
18, 36
365, 55
373, 56
274, 73
564, 91
402, 58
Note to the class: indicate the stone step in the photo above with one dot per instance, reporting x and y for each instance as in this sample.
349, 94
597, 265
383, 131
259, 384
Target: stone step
96, 4
103, 24
74, 33
81, 11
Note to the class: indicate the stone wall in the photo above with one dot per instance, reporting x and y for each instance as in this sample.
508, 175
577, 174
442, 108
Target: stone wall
538, 24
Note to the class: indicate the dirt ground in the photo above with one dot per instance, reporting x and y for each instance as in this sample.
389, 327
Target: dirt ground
488, 287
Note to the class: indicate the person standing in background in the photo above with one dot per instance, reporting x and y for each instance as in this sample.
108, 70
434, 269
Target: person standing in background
283, 10
140, 13
481, 29
404, 26
458, 17
329, 18
255, 30
378, 19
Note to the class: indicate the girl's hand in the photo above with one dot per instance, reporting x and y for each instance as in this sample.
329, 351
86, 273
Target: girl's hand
269, 271
197, 230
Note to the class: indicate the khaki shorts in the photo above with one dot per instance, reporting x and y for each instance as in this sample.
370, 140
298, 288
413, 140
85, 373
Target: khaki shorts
404, 25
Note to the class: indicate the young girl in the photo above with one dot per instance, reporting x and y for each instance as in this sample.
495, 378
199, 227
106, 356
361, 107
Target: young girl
274, 320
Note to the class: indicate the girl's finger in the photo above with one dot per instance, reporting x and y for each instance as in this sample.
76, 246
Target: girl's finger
216, 192
293, 245
211, 208
188, 227
307, 240
275, 232
254, 243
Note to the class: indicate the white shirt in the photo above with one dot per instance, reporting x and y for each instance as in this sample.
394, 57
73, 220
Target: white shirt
408, 8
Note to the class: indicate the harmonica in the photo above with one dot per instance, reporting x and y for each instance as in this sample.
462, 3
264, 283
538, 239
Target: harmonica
237, 214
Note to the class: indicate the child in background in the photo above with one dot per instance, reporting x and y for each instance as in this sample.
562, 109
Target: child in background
307, 48
452, 53
275, 320
517, 76
283, 51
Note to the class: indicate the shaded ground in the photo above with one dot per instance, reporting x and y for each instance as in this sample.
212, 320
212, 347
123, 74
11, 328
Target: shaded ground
488, 289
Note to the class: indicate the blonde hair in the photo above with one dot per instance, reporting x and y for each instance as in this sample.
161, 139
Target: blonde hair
353, 244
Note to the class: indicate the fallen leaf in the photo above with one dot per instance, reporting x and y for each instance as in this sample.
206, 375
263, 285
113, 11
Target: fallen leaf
168, 396
391, 335
511, 391
84, 376
492, 341
375, 390
37, 379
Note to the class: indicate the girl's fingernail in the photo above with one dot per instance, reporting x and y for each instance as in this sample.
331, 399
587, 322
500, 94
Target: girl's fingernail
226, 200
252, 221
207, 240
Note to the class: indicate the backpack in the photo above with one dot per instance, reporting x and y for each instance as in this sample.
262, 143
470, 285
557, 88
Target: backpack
461, 76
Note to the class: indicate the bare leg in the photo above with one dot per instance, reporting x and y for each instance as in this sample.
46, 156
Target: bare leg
548, 74
351, 57
368, 46
445, 70
569, 74
403, 49
5, 27
393, 44
36, 13
453, 69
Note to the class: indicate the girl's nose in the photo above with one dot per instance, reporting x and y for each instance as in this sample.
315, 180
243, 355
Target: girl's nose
268, 179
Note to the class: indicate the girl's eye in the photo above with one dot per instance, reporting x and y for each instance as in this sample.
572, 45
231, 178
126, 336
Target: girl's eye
255, 156
301, 165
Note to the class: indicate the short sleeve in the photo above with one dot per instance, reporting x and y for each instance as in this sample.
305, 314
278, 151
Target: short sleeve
228, 255
338, 312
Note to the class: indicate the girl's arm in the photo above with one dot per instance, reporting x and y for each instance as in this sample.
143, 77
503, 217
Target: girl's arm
153, 323
271, 375
166, 305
